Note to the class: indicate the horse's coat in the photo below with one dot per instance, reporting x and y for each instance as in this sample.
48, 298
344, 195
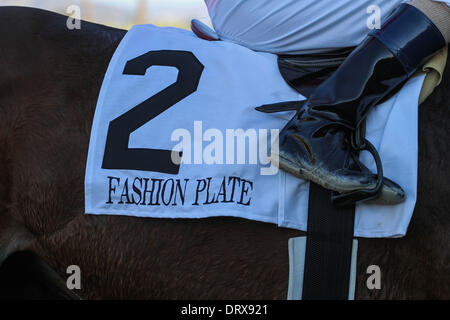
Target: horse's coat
49, 84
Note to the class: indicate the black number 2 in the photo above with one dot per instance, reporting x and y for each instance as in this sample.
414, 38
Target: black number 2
117, 154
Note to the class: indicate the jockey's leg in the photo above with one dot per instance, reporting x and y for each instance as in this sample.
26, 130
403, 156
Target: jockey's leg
317, 143
295, 26
298, 26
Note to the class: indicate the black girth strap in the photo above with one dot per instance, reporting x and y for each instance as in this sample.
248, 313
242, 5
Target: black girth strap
328, 247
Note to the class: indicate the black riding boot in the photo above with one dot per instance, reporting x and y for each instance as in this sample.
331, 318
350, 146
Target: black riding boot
321, 142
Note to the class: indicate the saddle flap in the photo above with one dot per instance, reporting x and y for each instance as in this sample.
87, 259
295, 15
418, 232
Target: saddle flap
306, 72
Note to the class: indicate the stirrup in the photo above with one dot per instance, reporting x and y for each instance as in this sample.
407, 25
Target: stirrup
358, 143
349, 198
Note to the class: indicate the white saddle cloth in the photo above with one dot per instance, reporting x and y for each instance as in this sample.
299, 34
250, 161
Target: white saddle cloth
233, 81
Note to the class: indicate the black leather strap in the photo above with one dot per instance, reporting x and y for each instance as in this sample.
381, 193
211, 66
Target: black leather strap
281, 106
307, 71
328, 247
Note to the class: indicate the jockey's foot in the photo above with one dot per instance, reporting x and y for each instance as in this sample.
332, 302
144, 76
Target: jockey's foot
331, 162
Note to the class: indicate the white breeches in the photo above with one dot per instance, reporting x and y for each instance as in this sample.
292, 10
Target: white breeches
297, 26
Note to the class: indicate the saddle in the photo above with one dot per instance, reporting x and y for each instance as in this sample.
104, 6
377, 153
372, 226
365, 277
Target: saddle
303, 72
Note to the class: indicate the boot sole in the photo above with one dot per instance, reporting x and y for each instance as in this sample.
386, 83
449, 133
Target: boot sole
388, 196
305, 174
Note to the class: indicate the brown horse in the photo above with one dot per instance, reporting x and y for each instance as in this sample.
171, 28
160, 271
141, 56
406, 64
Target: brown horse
49, 83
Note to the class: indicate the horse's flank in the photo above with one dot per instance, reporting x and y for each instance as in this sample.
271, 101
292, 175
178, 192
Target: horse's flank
49, 84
